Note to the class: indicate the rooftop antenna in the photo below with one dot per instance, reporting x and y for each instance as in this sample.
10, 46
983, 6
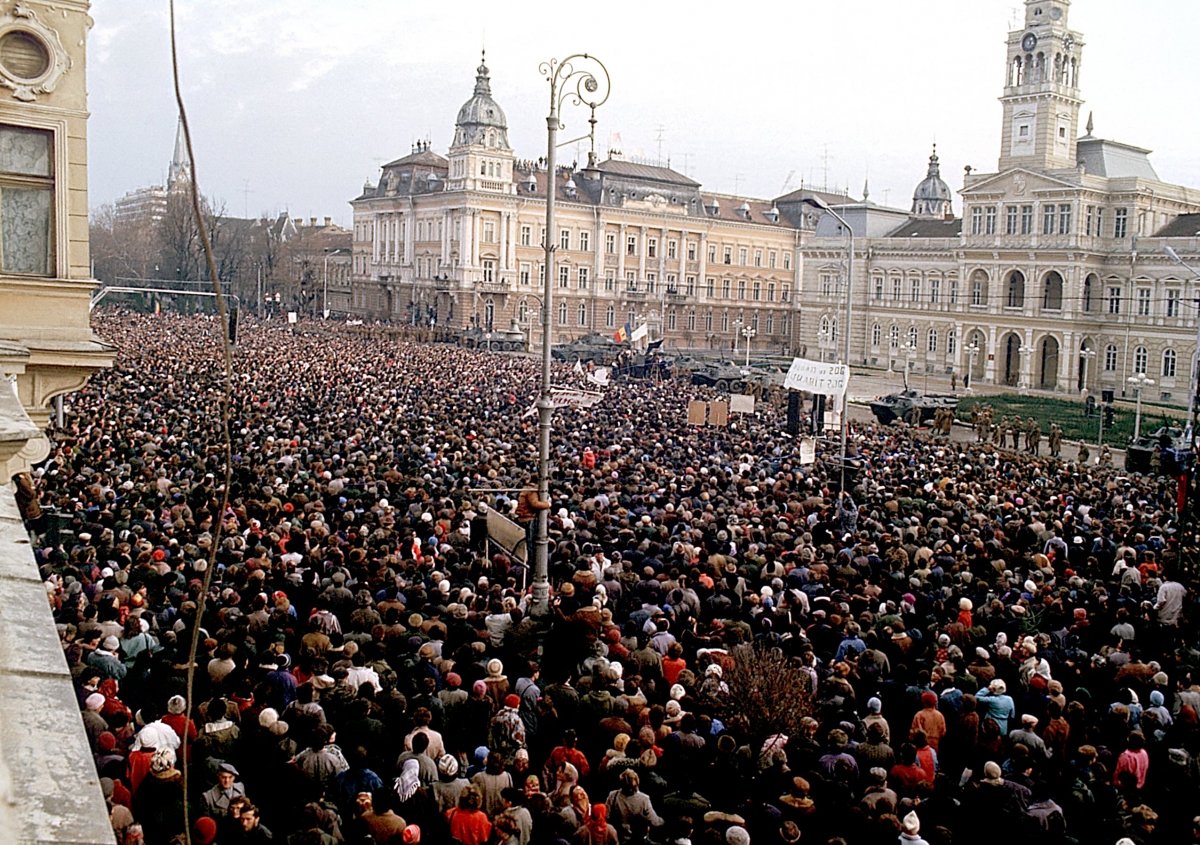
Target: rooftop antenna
658, 137
737, 183
825, 169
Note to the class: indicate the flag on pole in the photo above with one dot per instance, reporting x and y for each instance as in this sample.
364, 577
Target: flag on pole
654, 344
578, 366
622, 334
640, 332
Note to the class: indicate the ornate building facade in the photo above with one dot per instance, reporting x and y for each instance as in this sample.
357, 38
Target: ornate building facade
1057, 276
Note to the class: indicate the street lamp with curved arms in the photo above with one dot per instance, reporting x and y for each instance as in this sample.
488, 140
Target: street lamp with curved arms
579, 79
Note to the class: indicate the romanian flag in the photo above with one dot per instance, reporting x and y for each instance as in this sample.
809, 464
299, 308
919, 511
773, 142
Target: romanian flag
622, 334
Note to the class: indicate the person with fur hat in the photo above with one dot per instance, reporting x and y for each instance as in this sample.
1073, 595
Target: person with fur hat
158, 800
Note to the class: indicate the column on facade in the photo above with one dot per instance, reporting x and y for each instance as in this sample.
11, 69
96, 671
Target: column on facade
375, 227
621, 251
1066, 354
1026, 379
641, 254
503, 241
408, 227
992, 355
447, 230
597, 269
467, 246
476, 236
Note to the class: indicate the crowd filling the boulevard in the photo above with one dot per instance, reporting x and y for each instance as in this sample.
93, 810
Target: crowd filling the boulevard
968, 644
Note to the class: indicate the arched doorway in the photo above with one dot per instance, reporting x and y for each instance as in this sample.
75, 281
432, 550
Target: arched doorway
1011, 351
1049, 364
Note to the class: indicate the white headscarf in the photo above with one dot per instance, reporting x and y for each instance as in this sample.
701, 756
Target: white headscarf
409, 780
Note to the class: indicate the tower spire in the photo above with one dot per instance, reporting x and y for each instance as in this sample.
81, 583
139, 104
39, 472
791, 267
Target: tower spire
180, 171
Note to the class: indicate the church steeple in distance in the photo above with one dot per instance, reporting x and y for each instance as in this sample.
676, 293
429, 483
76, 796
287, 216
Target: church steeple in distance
180, 172
1041, 91
932, 198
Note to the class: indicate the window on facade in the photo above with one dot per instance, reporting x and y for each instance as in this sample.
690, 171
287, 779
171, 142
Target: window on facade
935, 291
562, 313
742, 256
1089, 218
977, 220
1139, 360
741, 288
1052, 291
897, 287
876, 335
1168, 363
756, 291
725, 321
610, 244
1110, 358
894, 337
526, 235
583, 278
770, 291
582, 314
26, 201
691, 250
691, 321
989, 220
931, 341
770, 323
672, 283
1120, 222
1099, 221
758, 258
652, 247
585, 241
727, 256
912, 337
785, 293
689, 285
710, 285
1027, 220
564, 276
826, 284
914, 289
1172, 306
631, 245
1010, 219
489, 271
631, 280
951, 342
726, 287
708, 322
1114, 300
787, 261
1016, 290
877, 282
564, 239
771, 259
671, 320
1088, 292
672, 249
610, 316
1064, 219
1049, 214
1143, 302
523, 274
712, 253
954, 291
651, 281
610, 280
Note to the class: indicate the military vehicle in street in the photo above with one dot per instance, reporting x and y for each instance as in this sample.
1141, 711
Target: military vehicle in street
597, 349
497, 340
1175, 454
900, 406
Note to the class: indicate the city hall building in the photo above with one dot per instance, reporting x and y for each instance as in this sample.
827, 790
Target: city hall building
1057, 276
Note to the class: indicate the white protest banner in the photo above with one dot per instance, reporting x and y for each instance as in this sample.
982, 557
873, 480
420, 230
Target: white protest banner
292, 317
808, 451
741, 403
564, 397
599, 376
817, 377
640, 332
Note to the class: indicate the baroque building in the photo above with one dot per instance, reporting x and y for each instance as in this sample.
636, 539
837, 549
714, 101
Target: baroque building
1057, 277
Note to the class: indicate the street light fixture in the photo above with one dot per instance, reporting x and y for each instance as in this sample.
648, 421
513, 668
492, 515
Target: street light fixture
1087, 355
843, 416
748, 333
910, 354
972, 352
1139, 381
582, 80
325, 285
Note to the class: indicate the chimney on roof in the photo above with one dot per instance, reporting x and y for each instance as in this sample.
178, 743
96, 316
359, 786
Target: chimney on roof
328, 221
298, 222
312, 221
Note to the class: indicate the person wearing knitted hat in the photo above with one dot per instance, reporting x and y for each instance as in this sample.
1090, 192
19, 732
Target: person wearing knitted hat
911, 830
875, 717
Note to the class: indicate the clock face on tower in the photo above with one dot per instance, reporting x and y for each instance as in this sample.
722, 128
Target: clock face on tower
1028, 42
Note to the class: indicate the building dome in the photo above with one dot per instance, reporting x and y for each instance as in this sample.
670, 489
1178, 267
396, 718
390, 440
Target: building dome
481, 121
932, 197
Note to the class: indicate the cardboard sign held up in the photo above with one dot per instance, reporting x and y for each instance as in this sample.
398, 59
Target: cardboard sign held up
697, 412
718, 414
808, 450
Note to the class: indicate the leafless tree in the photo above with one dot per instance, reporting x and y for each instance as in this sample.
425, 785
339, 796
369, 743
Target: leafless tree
768, 693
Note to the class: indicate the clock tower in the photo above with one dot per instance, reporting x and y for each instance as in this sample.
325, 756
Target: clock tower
1041, 90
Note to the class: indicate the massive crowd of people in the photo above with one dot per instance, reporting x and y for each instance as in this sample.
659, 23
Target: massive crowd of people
986, 646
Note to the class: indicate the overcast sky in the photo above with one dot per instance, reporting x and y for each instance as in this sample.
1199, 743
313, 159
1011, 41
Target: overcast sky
294, 104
